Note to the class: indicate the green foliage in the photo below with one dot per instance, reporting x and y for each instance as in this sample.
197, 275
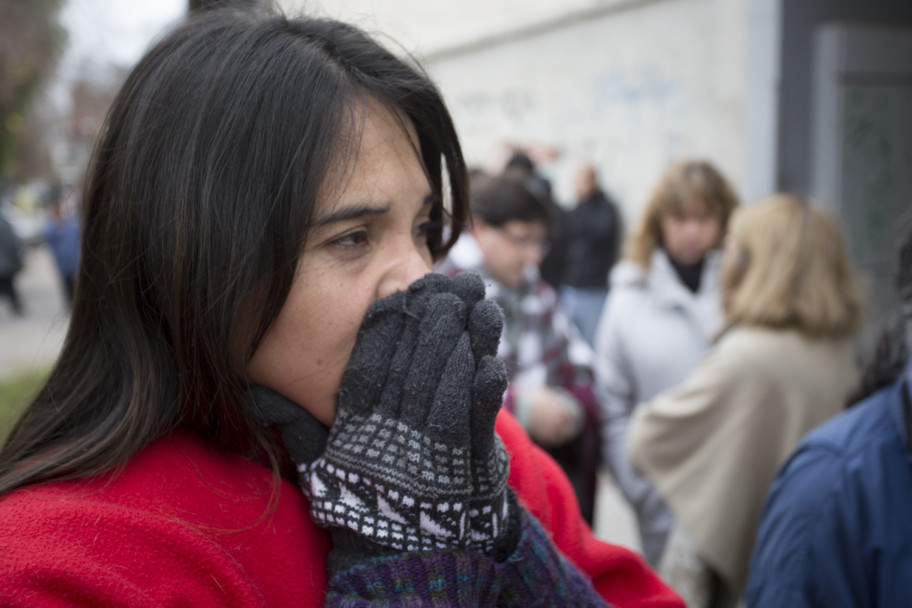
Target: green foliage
15, 393
31, 40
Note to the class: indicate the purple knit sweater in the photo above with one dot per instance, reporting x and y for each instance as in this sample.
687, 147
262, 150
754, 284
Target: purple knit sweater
535, 574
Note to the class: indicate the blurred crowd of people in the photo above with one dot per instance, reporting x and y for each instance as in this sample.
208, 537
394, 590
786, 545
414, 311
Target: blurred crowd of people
691, 368
59, 232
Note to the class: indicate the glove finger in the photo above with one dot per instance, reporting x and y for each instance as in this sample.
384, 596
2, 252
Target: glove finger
304, 436
449, 418
369, 365
440, 330
470, 287
401, 351
485, 326
431, 283
487, 398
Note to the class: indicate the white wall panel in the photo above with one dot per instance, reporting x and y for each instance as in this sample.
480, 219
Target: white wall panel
632, 91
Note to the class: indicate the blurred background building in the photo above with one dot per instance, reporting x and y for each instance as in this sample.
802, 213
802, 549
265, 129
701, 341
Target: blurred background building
807, 96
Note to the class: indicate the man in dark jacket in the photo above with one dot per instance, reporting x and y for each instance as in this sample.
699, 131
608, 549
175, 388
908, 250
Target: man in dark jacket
10, 264
593, 232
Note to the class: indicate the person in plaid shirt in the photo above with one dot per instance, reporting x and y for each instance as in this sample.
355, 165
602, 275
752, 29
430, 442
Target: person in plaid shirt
553, 388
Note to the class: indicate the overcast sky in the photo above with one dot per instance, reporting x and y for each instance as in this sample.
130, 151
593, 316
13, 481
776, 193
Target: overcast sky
116, 31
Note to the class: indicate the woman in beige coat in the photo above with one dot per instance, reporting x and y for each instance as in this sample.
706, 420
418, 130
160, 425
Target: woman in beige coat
783, 365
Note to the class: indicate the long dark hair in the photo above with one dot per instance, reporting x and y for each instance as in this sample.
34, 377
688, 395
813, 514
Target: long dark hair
887, 362
197, 202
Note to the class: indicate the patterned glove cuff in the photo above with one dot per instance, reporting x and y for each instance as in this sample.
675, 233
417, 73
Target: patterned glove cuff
437, 499
351, 549
506, 544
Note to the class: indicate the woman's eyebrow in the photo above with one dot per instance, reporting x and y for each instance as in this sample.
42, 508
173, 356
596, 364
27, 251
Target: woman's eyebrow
356, 211
350, 213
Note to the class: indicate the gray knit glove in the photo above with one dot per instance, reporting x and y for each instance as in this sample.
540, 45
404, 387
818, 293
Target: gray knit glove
412, 461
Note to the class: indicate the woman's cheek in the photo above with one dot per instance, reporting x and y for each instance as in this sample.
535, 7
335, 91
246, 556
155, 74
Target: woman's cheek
348, 330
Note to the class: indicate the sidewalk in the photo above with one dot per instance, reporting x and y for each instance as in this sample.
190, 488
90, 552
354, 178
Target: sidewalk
34, 339
614, 520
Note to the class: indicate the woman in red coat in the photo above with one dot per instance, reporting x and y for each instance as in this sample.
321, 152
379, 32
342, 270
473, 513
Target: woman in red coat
264, 398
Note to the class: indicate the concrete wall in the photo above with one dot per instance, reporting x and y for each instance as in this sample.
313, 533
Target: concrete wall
629, 84
631, 89
761, 102
427, 27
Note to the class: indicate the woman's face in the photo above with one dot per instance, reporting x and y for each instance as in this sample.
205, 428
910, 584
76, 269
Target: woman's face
368, 240
688, 236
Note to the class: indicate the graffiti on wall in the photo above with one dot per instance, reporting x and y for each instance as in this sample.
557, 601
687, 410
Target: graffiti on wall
876, 167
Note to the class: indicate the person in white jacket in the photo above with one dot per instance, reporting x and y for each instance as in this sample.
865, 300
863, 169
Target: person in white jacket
662, 312
783, 365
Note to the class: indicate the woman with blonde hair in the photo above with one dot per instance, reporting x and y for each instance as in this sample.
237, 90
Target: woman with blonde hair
782, 366
662, 311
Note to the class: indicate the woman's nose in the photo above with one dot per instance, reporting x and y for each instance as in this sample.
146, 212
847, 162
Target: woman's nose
534, 255
689, 229
404, 270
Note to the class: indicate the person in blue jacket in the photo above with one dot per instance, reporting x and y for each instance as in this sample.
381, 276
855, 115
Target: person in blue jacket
61, 234
837, 526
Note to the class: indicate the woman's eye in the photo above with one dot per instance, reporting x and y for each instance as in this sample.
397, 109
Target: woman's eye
351, 240
426, 228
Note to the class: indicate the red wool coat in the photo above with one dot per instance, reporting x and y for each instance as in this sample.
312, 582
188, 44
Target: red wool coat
184, 525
